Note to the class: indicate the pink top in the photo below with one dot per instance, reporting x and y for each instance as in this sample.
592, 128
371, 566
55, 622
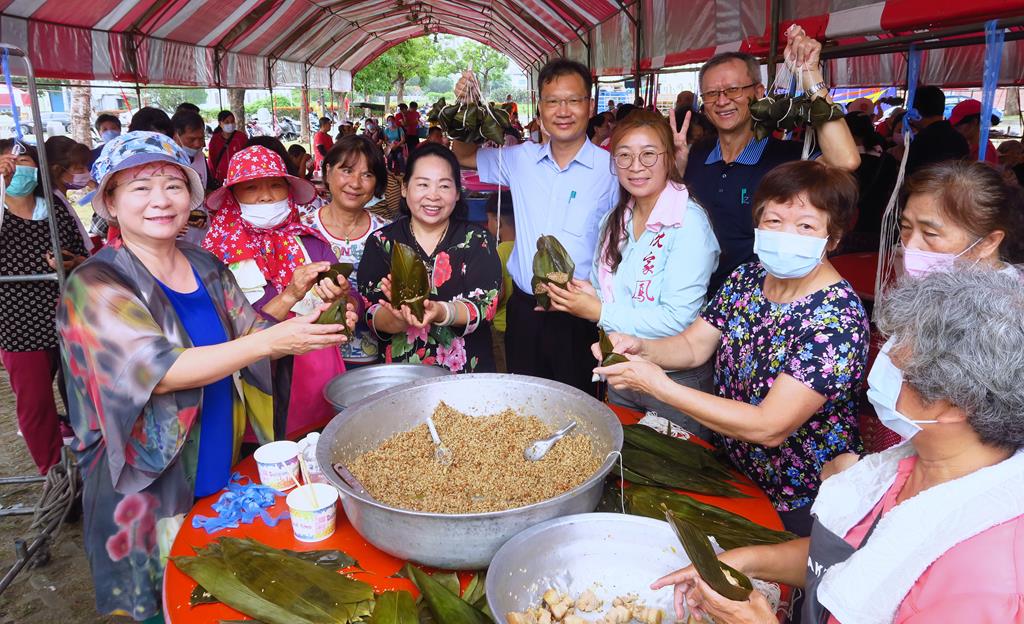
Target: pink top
977, 581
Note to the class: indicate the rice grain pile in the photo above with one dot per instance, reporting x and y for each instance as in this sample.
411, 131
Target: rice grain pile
489, 472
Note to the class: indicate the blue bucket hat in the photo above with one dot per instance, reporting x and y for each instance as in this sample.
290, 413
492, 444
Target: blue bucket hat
133, 149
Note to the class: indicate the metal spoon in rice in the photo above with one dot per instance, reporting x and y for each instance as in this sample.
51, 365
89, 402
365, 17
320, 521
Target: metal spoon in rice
539, 449
441, 452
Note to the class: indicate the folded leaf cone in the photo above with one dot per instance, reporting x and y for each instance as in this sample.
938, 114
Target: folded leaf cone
551, 265
608, 356
722, 578
409, 283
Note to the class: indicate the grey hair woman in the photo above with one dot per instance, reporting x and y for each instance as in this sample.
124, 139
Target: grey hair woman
930, 530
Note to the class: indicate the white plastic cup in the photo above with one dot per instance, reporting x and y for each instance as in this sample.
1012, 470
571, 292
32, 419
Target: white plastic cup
313, 522
278, 464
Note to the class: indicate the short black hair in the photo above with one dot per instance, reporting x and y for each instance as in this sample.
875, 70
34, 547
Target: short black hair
930, 101
507, 209
224, 114
275, 145
434, 129
295, 150
413, 105
565, 67
185, 120
594, 123
623, 110
348, 149
187, 106
402, 105
151, 120
324, 120
107, 118
461, 211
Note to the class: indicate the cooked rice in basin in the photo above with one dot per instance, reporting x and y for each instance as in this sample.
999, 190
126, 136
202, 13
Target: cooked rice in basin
488, 472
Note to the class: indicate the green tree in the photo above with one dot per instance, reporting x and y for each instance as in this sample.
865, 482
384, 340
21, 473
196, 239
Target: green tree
397, 66
487, 63
168, 99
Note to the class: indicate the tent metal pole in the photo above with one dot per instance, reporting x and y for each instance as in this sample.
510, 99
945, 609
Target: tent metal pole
44, 174
773, 45
932, 39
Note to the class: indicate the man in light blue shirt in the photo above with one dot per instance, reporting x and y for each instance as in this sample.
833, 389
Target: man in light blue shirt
562, 188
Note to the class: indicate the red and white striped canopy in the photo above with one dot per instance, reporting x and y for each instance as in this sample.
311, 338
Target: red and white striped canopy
320, 43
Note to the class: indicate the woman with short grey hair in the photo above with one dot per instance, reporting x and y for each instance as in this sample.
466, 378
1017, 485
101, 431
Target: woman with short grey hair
930, 530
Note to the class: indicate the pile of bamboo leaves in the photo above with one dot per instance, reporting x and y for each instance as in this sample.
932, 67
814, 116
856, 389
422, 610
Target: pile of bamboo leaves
655, 459
287, 587
274, 587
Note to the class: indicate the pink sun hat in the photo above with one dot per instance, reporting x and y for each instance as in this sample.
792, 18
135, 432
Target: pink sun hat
254, 163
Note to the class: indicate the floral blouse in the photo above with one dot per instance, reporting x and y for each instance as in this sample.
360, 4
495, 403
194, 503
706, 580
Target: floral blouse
464, 267
820, 340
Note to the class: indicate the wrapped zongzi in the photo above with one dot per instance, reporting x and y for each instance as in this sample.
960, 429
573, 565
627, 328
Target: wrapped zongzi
409, 283
722, 578
551, 265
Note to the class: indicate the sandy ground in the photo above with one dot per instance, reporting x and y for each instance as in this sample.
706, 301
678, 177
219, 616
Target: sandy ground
60, 591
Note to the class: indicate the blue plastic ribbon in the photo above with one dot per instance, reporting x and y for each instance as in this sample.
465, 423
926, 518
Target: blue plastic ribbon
994, 38
5, 61
913, 69
241, 504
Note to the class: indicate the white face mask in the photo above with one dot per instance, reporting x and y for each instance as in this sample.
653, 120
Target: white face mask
191, 151
228, 128
267, 215
788, 256
885, 381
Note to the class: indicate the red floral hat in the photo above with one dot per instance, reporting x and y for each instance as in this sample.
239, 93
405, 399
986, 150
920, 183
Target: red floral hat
257, 162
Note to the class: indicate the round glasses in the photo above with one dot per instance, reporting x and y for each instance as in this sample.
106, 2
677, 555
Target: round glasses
647, 159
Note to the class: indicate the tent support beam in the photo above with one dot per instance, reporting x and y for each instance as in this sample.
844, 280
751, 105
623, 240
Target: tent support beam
932, 39
839, 52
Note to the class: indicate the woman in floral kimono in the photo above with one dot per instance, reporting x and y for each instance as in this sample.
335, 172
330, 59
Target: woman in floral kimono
462, 262
166, 363
276, 259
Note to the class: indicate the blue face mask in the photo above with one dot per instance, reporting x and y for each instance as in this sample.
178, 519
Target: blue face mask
23, 182
788, 256
109, 135
885, 381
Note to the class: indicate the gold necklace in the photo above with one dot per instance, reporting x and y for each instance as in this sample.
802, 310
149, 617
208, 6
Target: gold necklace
348, 232
439, 238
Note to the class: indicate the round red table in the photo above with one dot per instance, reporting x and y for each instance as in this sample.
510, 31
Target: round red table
377, 567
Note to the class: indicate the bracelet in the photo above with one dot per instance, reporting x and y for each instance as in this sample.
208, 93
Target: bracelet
816, 87
449, 313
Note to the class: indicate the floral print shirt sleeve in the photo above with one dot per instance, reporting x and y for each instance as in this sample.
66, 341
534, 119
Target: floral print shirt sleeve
821, 340
464, 268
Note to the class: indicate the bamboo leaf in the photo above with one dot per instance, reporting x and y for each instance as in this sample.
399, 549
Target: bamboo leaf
698, 548
683, 452
409, 282
670, 474
444, 605
394, 607
608, 355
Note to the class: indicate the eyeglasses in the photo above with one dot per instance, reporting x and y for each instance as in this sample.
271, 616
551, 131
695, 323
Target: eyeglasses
647, 159
732, 93
557, 102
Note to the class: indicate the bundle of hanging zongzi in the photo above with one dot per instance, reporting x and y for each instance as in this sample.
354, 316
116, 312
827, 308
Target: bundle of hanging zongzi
722, 578
551, 265
409, 283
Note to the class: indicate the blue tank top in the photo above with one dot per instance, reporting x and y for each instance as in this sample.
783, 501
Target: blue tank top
216, 437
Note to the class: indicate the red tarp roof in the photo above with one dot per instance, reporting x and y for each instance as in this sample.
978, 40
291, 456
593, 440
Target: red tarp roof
322, 42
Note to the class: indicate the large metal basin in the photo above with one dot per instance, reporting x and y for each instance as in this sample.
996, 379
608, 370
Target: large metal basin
355, 385
611, 554
462, 541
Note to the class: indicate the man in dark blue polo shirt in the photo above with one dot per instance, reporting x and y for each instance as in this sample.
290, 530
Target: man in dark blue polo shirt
724, 175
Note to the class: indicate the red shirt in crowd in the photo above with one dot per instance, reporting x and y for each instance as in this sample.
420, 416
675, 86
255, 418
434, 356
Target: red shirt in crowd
411, 122
321, 139
222, 148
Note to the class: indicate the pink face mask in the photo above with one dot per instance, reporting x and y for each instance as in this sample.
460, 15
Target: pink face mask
917, 262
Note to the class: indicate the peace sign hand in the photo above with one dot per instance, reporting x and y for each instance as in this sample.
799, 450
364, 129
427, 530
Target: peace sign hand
679, 140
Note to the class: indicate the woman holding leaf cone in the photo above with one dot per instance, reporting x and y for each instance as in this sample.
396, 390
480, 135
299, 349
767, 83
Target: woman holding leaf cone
930, 530
447, 323
278, 261
788, 337
655, 257
167, 363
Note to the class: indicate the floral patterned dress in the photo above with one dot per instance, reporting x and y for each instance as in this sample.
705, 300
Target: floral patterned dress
464, 267
820, 340
138, 451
